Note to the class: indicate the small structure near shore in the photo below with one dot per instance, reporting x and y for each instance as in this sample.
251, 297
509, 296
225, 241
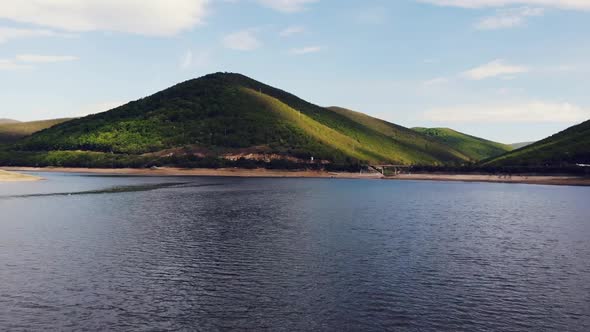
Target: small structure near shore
390, 169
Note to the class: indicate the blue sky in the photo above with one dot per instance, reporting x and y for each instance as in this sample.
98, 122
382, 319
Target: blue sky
506, 70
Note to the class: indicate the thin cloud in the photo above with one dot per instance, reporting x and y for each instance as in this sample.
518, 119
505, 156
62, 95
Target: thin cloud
7, 34
523, 112
244, 40
292, 30
192, 59
496, 68
508, 18
287, 6
10, 64
373, 15
36, 58
187, 60
436, 81
147, 17
306, 50
474, 4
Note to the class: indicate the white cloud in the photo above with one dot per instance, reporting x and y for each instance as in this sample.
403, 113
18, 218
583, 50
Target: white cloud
10, 64
147, 17
306, 50
244, 40
292, 30
36, 58
562, 4
7, 34
520, 112
508, 18
494, 69
287, 6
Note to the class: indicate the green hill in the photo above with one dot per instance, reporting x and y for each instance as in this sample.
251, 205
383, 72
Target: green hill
407, 141
567, 148
226, 116
474, 148
11, 131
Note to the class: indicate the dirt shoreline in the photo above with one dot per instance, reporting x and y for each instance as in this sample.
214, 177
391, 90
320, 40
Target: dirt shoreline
264, 173
6, 176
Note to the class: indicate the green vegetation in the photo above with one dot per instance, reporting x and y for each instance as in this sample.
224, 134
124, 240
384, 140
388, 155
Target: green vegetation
409, 145
474, 148
12, 131
221, 114
230, 120
567, 148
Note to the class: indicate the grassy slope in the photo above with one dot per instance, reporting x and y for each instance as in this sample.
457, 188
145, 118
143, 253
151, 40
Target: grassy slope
408, 144
474, 148
225, 111
13, 131
568, 147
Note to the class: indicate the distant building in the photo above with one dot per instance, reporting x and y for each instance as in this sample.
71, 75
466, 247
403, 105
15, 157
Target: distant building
583, 165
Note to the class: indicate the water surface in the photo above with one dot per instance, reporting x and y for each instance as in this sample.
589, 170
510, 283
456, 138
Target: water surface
146, 253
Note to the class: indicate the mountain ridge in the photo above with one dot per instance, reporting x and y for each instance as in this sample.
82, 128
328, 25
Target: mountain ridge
475, 148
11, 132
224, 112
566, 148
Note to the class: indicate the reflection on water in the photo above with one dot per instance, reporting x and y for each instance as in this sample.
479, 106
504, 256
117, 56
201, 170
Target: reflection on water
110, 190
292, 254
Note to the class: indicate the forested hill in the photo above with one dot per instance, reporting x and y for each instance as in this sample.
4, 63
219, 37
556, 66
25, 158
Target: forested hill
567, 148
474, 148
228, 116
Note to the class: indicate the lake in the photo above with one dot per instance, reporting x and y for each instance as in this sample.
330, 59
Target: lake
81, 252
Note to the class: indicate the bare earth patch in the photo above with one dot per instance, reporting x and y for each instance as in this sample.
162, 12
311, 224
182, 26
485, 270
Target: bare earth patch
13, 177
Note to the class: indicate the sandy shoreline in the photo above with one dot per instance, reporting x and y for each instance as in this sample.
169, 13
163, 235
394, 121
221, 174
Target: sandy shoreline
6, 176
535, 179
229, 172
264, 173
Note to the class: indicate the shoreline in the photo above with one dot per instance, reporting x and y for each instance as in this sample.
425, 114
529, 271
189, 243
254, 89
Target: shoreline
6, 176
265, 173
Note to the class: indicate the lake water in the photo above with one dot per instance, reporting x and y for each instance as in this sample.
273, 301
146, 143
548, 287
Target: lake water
139, 253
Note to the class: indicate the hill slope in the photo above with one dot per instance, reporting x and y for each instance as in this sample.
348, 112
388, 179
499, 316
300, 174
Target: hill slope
407, 141
569, 147
520, 145
5, 121
474, 148
12, 131
221, 115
